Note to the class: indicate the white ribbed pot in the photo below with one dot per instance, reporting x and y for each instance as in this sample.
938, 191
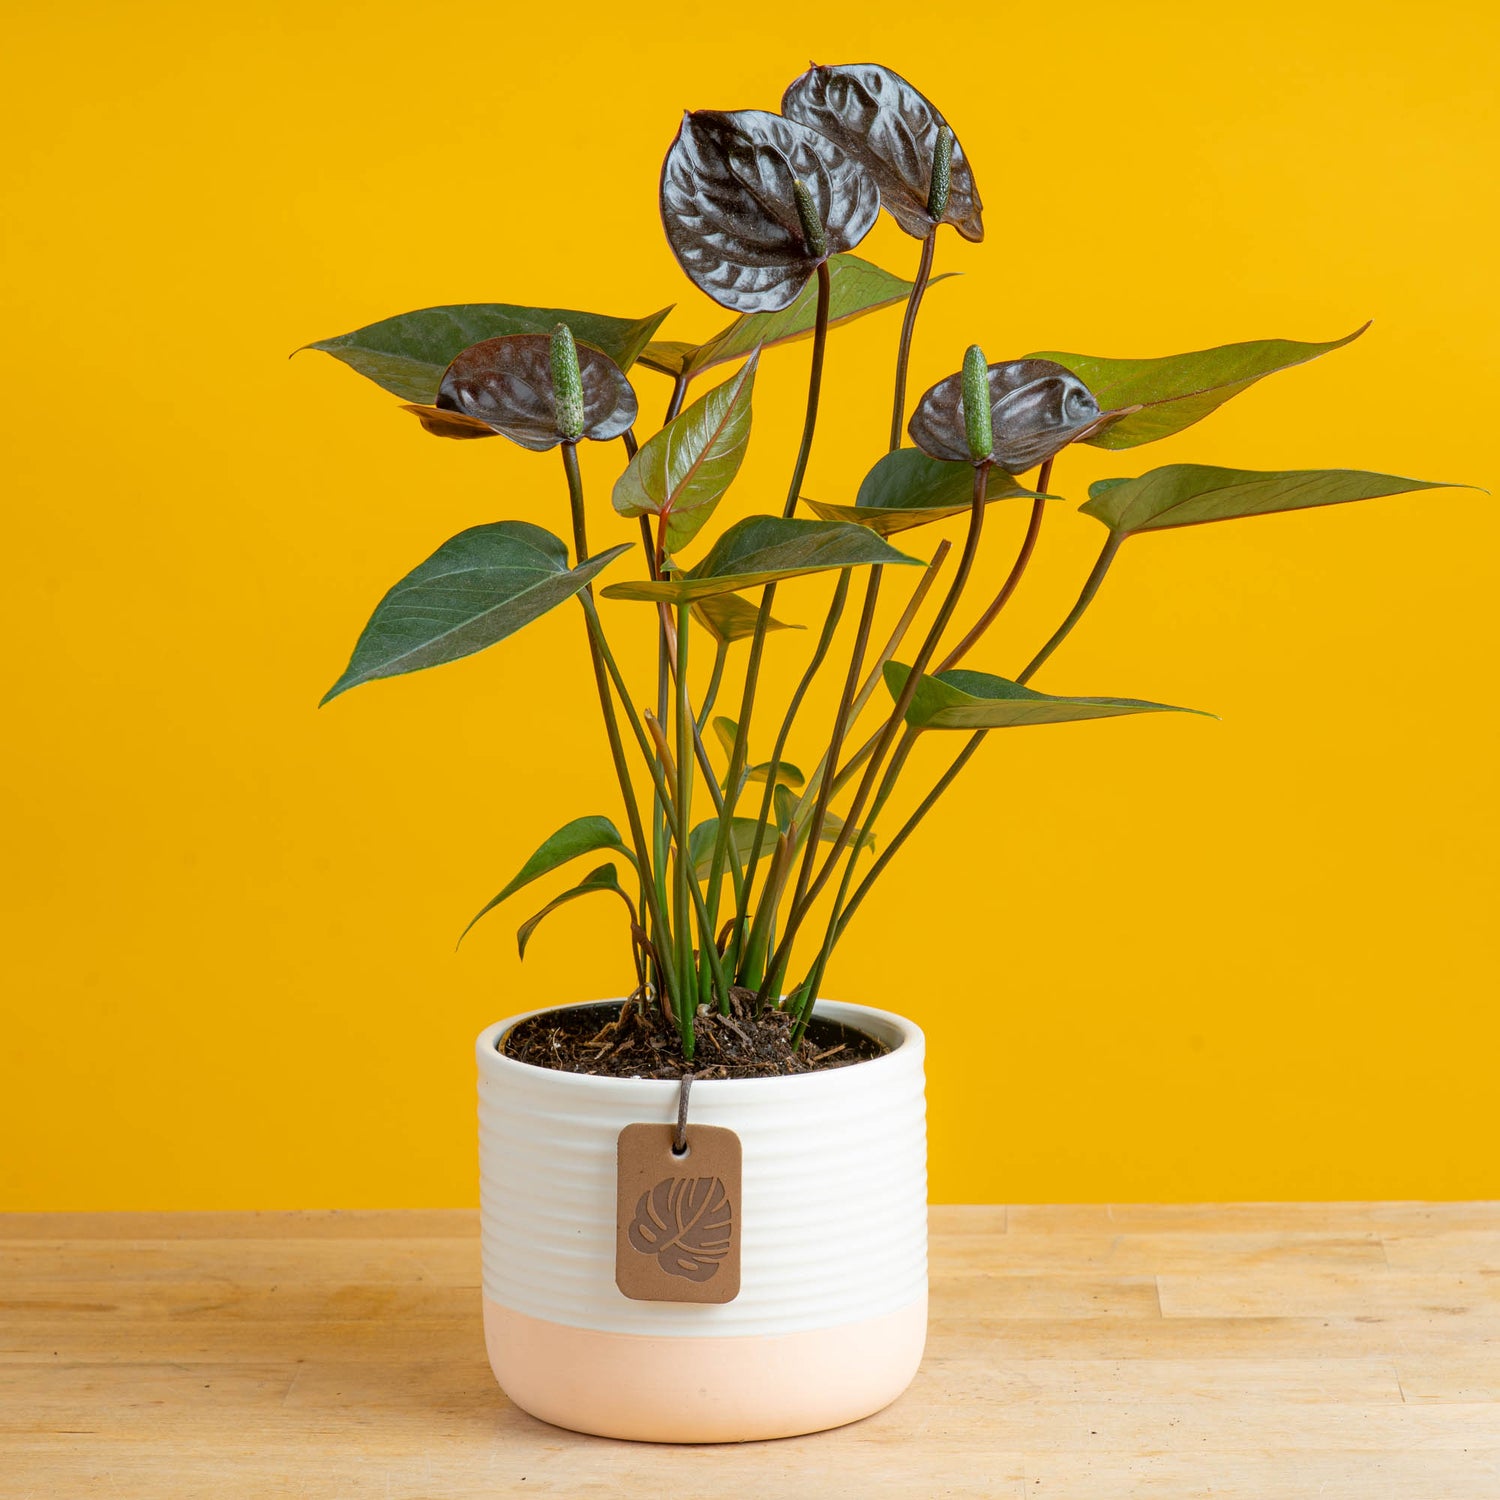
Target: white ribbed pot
831, 1315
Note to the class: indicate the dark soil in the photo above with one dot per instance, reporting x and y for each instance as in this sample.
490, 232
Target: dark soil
634, 1041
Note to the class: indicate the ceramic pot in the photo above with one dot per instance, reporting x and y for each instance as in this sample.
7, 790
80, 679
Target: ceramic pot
831, 1315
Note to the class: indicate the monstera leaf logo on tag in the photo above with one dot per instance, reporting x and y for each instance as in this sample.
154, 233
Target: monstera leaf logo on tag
687, 1223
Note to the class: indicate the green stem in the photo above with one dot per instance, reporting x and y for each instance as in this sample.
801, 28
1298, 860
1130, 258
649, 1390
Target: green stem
801, 908
768, 595
682, 865
597, 652
908, 328
1085, 598
1012, 579
767, 801
711, 694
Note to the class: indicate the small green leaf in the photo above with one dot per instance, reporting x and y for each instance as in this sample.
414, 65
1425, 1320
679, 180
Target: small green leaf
724, 731
763, 549
702, 838
582, 836
975, 700
407, 354
602, 879
858, 288
684, 470
728, 618
1178, 390
786, 774
907, 488
476, 589
1192, 494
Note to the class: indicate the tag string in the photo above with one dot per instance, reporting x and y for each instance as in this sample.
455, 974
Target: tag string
679, 1146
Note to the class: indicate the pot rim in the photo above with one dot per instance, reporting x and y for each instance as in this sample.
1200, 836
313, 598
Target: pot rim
904, 1037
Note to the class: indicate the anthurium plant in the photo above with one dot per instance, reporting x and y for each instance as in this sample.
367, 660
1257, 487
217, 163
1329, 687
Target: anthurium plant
740, 874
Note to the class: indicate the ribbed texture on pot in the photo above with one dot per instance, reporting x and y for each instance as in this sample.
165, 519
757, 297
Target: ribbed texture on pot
834, 1219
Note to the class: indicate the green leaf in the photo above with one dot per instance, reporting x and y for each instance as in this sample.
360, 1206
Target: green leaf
786, 774
725, 731
907, 488
602, 879
833, 825
728, 618
975, 700
582, 836
1192, 494
1177, 390
763, 549
407, 355
684, 470
858, 288
476, 589
702, 838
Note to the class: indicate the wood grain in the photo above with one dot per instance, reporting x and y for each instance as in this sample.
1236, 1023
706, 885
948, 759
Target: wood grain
1250, 1351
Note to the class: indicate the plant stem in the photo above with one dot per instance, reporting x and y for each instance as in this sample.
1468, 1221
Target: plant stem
1012, 579
597, 648
711, 693
767, 801
847, 833
908, 328
683, 860
1085, 598
674, 402
738, 753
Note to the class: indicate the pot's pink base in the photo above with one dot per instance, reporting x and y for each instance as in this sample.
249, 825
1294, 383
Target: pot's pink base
703, 1390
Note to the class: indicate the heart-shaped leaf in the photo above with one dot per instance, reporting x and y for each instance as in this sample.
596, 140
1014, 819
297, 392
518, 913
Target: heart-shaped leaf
584, 835
476, 589
729, 202
892, 128
764, 549
975, 700
1177, 390
602, 879
506, 384
907, 488
407, 355
1036, 409
857, 287
686, 1223
728, 618
1192, 494
684, 470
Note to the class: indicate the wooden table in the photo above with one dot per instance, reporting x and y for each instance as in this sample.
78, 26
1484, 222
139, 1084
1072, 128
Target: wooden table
1345, 1351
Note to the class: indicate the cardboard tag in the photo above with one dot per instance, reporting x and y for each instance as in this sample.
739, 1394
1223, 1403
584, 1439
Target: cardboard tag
677, 1218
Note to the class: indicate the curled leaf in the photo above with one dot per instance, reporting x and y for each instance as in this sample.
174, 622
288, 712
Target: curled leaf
1036, 408
686, 1223
728, 618
893, 130
601, 879
730, 205
506, 384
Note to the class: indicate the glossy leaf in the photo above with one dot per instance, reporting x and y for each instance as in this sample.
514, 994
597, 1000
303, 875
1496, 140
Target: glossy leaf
857, 287
506, 384
702, 838
407, 355
975, 700
728, 618
584, 835
476, 589
685, 469
892, 128
1036, 409
729, 205
1193, 494
764, 549
1177, 390
602, 879
907, 488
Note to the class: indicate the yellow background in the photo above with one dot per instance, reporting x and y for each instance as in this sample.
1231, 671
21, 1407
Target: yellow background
1158, 958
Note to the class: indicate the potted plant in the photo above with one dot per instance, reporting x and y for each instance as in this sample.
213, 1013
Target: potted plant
704, 1211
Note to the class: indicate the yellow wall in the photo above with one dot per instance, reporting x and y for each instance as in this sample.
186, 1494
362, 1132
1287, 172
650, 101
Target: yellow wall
1157, 958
